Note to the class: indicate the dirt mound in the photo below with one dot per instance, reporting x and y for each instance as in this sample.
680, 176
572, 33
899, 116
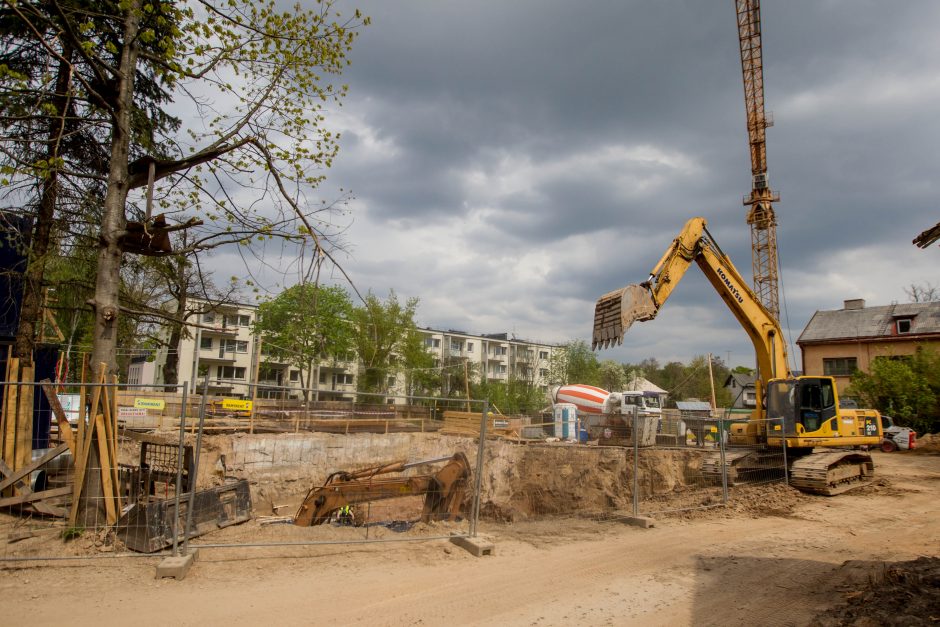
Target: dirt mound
928, 443
906, 593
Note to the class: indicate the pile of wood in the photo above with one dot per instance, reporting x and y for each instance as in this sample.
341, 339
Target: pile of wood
93, 448
468, 423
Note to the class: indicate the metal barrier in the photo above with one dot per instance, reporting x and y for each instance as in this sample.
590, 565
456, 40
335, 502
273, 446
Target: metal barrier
127, 470
133, 471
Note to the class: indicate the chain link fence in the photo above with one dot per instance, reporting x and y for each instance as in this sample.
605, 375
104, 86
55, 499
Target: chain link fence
120, 470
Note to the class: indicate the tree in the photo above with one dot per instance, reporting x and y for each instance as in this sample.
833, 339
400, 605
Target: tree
925, 293
574, 362
275, 66
422, 378
905, 388
382, 330
611, 375
304, 322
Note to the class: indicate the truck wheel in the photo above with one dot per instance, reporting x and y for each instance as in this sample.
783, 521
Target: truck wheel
888, 446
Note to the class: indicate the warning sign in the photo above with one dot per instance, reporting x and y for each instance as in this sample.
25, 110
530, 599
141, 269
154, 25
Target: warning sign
236, 404
149, 403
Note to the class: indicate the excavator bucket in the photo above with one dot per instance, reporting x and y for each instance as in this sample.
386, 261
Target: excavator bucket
616, 311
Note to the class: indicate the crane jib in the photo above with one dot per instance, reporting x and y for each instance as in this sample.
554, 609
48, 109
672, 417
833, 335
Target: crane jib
731, 287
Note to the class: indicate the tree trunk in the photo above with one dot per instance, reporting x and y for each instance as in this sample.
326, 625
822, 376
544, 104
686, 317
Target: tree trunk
113, 220
31, 321
171, 365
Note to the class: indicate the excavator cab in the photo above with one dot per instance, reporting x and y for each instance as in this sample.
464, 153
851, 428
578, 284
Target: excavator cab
806, 401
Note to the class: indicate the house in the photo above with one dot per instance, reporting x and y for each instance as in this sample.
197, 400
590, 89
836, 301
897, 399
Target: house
839, 342
742, 389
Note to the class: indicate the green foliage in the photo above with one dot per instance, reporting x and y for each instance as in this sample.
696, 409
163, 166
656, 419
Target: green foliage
905, 389
304, 322
421, 377
515, 396
382, 331
611, 375
574, 362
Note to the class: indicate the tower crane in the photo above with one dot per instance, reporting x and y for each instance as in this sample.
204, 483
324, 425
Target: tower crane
760, 215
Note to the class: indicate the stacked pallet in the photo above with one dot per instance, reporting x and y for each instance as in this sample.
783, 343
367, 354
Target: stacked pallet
468, 423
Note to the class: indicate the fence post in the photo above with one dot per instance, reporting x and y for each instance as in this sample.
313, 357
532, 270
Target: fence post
783, 445
192, 483
636, 463
478, 479
180, 455
723, 460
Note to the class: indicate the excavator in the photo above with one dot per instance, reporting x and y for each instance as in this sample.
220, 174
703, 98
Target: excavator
443, 490
800, 415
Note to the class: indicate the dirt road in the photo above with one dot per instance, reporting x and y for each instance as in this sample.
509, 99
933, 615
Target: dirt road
723, 567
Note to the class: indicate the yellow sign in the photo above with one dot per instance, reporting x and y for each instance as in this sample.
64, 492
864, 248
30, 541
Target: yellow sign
149, 403
237, 405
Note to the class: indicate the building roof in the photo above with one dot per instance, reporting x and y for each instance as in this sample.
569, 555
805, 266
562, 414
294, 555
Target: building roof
639, 384
742, 380
693, 406
868, 323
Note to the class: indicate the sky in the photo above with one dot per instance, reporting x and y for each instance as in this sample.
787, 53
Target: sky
510, 162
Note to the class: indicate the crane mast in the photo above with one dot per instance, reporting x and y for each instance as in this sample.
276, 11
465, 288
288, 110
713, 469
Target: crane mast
760, 215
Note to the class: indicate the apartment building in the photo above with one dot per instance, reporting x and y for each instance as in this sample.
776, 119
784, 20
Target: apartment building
497, 356
221, 343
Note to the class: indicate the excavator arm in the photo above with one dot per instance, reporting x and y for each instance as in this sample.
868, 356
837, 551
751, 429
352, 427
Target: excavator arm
617, 310
805, 410
443, 490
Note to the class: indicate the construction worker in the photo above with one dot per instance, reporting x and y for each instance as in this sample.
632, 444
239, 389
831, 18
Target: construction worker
345, 515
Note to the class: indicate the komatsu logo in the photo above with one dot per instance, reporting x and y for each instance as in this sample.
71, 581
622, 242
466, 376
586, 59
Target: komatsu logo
734, 291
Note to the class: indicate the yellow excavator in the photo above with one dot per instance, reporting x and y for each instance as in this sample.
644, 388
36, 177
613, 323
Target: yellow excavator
443, 490
798, 413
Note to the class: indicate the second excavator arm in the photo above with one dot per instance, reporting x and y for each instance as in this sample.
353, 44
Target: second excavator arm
617, 310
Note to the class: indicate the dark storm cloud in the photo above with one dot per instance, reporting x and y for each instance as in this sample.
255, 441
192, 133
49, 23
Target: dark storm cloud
513, 161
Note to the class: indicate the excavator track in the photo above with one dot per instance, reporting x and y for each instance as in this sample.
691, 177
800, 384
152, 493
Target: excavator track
743, 466
832, 472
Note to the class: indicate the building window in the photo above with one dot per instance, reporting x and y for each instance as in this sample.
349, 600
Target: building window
231, 372
205, 343
391, 382
455, 346
322, 377
543, 372
432, 342
499, 351
208, 317
237, 320
295, 375
501, 369
469, 347
343, 379
235, 346
543, 354
840, 366
904, 325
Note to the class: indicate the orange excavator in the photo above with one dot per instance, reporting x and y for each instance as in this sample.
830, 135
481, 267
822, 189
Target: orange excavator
443, 490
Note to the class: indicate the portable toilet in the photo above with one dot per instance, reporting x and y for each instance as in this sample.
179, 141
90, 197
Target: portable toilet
566, 421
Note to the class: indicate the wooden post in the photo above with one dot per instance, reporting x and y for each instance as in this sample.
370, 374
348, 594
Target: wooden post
711, 380
23, 453
254, 389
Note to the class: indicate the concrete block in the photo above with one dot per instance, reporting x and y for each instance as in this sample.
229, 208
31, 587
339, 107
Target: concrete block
176, 566
644, 522
477, 547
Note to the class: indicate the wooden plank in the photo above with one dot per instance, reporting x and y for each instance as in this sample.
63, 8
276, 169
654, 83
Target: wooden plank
35, 496
115, 478
12, 476
9, 413
24, 420
108, 487
39, 506
65, 429
18, 482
